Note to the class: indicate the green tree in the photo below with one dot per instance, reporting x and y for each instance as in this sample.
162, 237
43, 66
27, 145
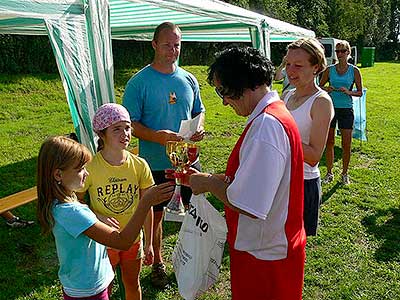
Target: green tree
347, 19
241, 3
361, 22
311, 14
279, 9
378, 20
394, 23
392, 47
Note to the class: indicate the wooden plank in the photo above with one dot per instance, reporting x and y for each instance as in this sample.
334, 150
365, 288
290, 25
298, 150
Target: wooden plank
17, 199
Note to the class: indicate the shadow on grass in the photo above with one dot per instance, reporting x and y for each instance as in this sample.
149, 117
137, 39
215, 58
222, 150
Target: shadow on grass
150, 292
338, 152
327, 195
338, 156
385, 226
17, 176
28, 260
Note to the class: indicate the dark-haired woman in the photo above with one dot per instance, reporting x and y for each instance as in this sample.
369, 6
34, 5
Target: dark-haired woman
262, 188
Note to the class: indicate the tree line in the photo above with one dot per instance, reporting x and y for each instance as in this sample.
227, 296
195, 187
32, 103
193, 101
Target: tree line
361, 22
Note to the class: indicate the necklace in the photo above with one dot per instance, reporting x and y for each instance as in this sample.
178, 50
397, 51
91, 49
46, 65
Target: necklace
296, 101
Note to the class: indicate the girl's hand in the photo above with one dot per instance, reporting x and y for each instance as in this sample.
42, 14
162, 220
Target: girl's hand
159, 193
148, 255
170, 174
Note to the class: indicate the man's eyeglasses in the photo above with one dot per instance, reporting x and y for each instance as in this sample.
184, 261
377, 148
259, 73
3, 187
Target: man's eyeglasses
341, 51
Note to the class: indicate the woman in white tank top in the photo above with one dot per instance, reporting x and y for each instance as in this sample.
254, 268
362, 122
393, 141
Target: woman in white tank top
312, 110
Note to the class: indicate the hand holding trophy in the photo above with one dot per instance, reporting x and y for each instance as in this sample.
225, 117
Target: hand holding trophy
182, 155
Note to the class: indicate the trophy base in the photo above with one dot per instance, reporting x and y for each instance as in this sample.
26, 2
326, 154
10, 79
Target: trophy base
173, 216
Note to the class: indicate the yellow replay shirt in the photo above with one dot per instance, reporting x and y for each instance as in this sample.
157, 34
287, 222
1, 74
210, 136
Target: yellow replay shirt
114, 190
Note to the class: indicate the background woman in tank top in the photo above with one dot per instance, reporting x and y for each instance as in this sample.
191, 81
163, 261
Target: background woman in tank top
312, 109
341, 77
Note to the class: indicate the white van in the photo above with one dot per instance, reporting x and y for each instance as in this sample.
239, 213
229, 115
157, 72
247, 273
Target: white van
330, 46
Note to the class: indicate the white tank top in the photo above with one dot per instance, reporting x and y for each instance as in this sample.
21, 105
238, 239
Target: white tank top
302, 116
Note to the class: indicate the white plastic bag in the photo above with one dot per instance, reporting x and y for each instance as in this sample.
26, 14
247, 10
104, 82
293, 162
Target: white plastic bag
198, 252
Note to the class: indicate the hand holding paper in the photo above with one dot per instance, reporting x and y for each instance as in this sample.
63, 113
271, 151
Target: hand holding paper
189, 128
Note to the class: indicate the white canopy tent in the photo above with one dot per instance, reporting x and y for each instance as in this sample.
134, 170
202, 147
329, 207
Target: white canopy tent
205, 20
80, 33
80, 36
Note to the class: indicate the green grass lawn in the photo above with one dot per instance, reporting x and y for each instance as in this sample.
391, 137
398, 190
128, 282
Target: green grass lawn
356, 254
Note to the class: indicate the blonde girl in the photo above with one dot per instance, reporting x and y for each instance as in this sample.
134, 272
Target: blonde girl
312, 109
116, 183
85, 270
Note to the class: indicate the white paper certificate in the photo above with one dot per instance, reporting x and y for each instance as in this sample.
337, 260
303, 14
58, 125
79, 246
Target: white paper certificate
189, 127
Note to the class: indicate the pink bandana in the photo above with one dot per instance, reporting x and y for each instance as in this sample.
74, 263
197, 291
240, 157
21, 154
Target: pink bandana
109, 114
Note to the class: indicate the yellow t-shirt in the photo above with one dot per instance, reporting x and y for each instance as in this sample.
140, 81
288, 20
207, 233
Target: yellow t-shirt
114, 190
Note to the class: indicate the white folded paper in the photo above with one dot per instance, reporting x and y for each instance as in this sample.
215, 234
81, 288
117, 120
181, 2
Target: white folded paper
189, 127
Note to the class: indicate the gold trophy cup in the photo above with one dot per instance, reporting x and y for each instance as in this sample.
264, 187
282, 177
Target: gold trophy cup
181, 155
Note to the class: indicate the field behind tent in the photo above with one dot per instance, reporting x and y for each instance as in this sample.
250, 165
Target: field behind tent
356, 254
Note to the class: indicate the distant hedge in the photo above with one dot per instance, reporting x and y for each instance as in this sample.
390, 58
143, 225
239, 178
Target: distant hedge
26, 54
135, 54
33, 54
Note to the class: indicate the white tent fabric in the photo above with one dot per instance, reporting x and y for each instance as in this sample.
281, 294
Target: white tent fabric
80, 37
203, 20
80, 33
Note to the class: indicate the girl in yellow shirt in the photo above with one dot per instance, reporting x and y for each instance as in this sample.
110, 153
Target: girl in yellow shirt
116, 182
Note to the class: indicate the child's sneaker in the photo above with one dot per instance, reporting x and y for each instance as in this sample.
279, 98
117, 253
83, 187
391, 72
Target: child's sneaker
17, 222
328, 178
345, 179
